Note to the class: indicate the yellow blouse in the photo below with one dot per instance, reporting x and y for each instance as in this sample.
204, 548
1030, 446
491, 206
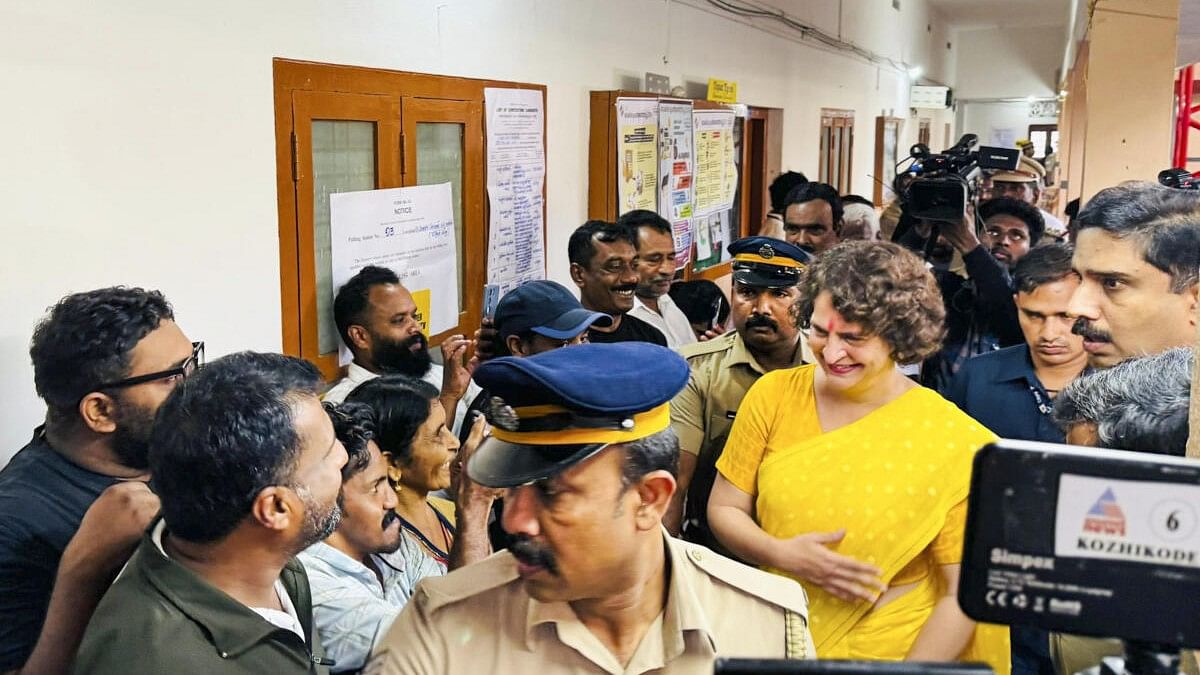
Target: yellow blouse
897, 480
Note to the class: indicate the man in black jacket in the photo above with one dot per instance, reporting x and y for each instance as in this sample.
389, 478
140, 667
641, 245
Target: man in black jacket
980, 313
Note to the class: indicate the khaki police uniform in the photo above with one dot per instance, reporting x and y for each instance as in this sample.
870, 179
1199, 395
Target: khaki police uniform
480, 620
722, 370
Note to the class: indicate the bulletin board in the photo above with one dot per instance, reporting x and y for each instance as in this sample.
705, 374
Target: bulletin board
684, 159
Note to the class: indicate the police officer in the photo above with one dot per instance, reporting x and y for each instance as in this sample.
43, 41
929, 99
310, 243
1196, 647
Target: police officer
765, 274
593, 583
1025, 183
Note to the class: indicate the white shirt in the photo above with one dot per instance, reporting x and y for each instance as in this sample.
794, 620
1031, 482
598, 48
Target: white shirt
672, 323
1054, 226
356, 375
288, 619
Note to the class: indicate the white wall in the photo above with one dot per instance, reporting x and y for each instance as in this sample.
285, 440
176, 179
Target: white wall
141, 150
982, 118
1009, 62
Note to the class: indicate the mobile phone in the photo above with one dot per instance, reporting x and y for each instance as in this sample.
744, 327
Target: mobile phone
491, 298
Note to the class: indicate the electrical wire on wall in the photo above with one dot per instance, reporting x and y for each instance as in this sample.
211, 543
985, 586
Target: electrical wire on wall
807, 32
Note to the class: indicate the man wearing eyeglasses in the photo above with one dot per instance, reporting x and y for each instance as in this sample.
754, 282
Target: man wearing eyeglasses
103, 362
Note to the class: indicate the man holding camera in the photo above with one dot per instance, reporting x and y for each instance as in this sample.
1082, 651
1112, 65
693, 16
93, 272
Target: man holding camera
981, 315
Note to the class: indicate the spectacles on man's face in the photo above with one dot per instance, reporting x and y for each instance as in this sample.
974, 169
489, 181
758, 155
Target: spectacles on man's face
181, 371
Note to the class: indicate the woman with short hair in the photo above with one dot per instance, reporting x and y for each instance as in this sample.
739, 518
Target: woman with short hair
851, 478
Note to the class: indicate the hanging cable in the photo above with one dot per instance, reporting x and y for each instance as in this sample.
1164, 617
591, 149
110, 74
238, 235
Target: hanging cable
807, 32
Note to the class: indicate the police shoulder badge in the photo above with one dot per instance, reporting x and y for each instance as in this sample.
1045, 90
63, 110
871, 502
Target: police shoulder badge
502, 415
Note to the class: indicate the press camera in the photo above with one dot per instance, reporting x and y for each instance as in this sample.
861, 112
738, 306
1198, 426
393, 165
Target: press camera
939, 186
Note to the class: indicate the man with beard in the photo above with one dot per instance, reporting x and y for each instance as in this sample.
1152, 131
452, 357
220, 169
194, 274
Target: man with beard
248, 470
812, 217
656, 270
1012, 391
377, 320
1137, 251
765, 274
1010, 229
103, 362
604, 265
593, 582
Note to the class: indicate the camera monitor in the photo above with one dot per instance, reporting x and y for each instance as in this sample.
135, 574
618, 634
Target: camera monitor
1085, 541
831, 667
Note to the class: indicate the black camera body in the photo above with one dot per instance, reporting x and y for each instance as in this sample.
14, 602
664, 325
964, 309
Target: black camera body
943, 184
1180, 179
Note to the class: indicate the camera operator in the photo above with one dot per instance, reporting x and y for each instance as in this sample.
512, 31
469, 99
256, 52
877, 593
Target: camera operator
981, 315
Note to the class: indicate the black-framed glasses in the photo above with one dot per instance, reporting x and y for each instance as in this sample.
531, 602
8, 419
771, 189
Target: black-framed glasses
183, 370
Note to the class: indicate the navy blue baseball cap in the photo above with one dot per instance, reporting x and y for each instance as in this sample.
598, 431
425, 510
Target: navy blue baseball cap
553, 410
767, 262
546, 308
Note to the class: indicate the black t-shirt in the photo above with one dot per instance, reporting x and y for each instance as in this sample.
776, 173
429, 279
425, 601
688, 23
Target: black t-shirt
43, 497
632, 329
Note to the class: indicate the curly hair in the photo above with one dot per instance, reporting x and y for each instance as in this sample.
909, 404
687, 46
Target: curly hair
354, 426
87, 339
882, 287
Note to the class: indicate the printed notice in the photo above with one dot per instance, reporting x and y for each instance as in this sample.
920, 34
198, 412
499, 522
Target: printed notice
1130, 521
409, 230
516, 174
675, 173
716, 173
637, 154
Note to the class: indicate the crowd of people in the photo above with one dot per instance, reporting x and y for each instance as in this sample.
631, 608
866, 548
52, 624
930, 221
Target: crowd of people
642, 479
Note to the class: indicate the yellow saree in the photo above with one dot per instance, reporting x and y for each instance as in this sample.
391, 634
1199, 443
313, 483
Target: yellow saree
896, 480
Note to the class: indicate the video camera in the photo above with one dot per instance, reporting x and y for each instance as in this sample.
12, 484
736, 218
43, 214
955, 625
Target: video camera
939, 186
1087, 542
1180, 179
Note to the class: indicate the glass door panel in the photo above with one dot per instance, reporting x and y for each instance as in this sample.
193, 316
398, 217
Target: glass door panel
343, 143
441, 139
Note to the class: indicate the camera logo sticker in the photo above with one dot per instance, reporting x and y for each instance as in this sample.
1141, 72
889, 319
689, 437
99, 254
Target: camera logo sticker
1105, 516
1130, 521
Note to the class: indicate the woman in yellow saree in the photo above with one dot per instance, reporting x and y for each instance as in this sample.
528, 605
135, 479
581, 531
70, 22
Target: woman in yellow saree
852, 479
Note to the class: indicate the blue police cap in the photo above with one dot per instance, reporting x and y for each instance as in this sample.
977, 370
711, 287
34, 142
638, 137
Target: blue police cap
767, 262
553, 410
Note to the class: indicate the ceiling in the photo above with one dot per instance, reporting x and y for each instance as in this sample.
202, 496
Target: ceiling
989, 13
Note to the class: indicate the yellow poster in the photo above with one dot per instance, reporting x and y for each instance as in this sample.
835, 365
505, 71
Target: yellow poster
637, 154
716, 176
422, 300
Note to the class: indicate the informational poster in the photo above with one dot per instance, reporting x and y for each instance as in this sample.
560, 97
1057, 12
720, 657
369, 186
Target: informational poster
409, 230
1003, 138
516, 174
675, 169
716, 173
637, 154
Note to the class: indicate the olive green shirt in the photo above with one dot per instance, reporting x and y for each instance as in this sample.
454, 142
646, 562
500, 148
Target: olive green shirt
722, 370
160, 617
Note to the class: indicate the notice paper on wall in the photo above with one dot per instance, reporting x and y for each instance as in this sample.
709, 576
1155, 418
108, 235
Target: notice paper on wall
715, 181
516, 174
675, 169
637, 154
409, 230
